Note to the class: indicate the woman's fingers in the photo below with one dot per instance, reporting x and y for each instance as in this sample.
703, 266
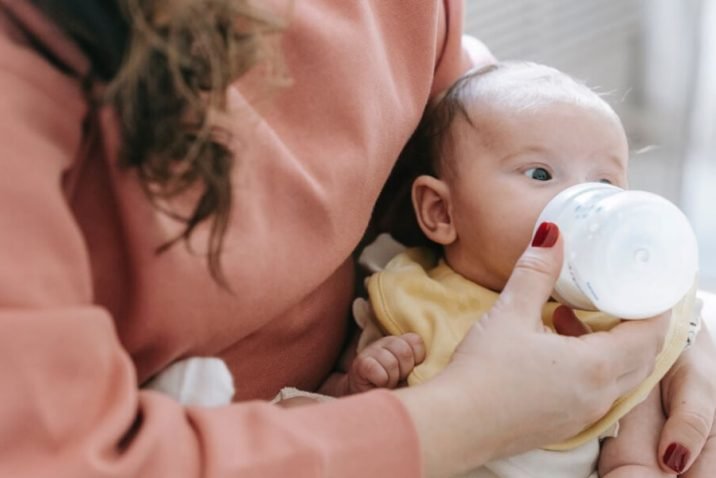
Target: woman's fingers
691, 418
567, 323
689, 395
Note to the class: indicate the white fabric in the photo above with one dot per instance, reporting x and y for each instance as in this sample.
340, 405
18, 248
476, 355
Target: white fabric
197, 381
376, 255
580, 462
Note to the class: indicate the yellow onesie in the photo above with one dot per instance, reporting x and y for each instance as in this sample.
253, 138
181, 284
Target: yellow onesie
417, 293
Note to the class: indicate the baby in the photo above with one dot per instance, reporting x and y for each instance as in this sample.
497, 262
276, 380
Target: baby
489, 155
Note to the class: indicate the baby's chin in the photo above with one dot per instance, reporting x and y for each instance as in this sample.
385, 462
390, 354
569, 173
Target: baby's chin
495, 282
491, 276
492, 282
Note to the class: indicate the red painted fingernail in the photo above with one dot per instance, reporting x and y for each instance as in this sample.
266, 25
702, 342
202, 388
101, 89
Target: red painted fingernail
676, 457
546, 235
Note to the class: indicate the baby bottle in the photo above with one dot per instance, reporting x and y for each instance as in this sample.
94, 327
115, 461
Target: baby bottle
630, 254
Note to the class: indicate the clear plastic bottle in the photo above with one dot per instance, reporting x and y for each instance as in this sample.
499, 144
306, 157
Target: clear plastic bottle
631, 254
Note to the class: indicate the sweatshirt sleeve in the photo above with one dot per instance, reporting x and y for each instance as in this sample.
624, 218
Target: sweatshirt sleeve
69, 402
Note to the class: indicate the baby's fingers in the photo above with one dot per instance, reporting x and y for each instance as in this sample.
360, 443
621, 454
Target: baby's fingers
418, 349
395, 355
408, 350
370, 373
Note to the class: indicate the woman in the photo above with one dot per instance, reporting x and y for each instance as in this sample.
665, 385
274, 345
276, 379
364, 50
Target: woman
115, 189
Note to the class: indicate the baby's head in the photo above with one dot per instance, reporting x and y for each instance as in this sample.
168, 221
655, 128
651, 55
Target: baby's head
500, 144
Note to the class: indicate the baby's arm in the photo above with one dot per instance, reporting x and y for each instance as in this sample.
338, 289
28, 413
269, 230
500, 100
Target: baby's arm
633, 453
385, 363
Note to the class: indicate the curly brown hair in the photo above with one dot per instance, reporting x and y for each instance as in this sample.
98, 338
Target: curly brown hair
167, 64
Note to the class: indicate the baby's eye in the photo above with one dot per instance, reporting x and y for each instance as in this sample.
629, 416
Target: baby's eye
605, 181
539, 174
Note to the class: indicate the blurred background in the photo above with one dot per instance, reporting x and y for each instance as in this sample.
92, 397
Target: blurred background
656, 61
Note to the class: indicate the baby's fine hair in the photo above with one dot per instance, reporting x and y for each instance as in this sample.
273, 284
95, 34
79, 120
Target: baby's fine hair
514, 86
522, 86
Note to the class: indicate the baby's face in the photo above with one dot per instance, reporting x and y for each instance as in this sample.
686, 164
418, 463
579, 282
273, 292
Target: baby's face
509, 165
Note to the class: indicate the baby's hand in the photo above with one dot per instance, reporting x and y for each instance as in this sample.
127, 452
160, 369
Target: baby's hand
385, 363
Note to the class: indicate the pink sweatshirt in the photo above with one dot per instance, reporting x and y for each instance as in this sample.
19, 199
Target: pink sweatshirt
88, 311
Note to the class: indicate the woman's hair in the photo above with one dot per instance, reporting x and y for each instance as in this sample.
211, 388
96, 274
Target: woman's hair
166, 65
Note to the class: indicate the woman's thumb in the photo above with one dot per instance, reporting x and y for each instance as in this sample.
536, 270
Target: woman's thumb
534, 275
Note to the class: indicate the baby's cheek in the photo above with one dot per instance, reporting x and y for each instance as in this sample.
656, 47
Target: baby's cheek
519, 240
516, 224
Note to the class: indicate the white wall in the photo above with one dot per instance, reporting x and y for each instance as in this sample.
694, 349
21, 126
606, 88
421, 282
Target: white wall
656, 59
699, 181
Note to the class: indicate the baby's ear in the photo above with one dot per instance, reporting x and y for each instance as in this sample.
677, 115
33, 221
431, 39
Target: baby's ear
433, 209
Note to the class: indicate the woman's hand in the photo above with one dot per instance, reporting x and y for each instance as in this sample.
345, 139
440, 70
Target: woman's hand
687, 443
511, 386
688, 440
